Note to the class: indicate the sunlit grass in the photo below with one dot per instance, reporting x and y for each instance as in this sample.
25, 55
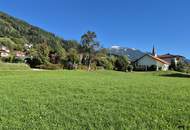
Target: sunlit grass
93, 100
11, 66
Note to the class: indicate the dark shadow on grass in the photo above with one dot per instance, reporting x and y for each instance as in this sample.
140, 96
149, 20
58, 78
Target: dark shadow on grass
177, 75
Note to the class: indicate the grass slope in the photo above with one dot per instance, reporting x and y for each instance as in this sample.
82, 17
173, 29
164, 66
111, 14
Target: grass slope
11, 66
93, 100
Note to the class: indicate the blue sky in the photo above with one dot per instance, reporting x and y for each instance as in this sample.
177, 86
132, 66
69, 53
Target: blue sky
128, 23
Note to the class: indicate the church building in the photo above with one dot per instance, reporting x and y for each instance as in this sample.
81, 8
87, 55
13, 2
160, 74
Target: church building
149, 60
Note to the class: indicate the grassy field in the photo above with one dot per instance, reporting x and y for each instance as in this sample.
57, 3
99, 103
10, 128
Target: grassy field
102, 100
11, 66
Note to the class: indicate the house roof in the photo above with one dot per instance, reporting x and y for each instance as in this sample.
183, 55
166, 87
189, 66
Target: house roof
169, 56
4, 51
155, 58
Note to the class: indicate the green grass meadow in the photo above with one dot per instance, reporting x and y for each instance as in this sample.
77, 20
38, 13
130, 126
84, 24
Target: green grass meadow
101, 100
13, 67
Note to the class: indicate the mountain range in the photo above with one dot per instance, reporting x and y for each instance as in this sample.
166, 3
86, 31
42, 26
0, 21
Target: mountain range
133, 54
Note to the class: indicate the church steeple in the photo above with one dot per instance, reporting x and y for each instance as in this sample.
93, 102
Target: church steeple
154, 51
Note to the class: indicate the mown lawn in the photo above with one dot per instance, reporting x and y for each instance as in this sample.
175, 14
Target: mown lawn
102, 100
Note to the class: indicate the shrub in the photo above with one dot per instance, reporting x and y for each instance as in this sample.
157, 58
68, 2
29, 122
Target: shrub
69, 65
130, 68
5, 59
18, 60
188, 71
109, 66
152, 68
100, 68
93, 66
140, 68
160, 68
50, 66
105, 63
173, 65
10, 59
121, 63
82, 67
181, 66
34, 62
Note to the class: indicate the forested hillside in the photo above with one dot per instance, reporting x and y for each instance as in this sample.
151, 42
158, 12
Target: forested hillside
15, 33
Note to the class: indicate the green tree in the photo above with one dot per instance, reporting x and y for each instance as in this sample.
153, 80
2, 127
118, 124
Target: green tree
121, 63
71, 44
73, 56
188, 69
89, 45
103, 60
173, 65
40, 53
61, 55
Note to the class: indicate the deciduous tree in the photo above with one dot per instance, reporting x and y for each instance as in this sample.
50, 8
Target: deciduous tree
89, 44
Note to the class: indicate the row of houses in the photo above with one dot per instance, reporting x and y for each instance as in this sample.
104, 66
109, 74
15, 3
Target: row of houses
5, 52
162, 62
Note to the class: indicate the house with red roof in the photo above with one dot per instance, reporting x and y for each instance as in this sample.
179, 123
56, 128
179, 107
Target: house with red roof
171, 58
149, 60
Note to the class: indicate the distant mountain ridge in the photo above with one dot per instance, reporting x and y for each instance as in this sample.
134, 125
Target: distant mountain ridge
132, 53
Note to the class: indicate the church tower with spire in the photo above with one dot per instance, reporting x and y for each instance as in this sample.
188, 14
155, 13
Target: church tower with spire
154, 51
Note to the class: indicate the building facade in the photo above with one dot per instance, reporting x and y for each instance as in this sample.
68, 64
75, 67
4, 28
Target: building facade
149, 60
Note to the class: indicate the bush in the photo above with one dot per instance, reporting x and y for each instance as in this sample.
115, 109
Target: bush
188, 71
18, 60
70, 66
152, 68
93, 66
5, 59
181, 67
50, 66
34, 62
12, 59
121, 63
140, 68
105, 63
109, 66
130, 68
100, 68
82, 67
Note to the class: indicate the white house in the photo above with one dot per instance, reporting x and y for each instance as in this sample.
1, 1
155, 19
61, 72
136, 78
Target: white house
149, 60
4, 51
